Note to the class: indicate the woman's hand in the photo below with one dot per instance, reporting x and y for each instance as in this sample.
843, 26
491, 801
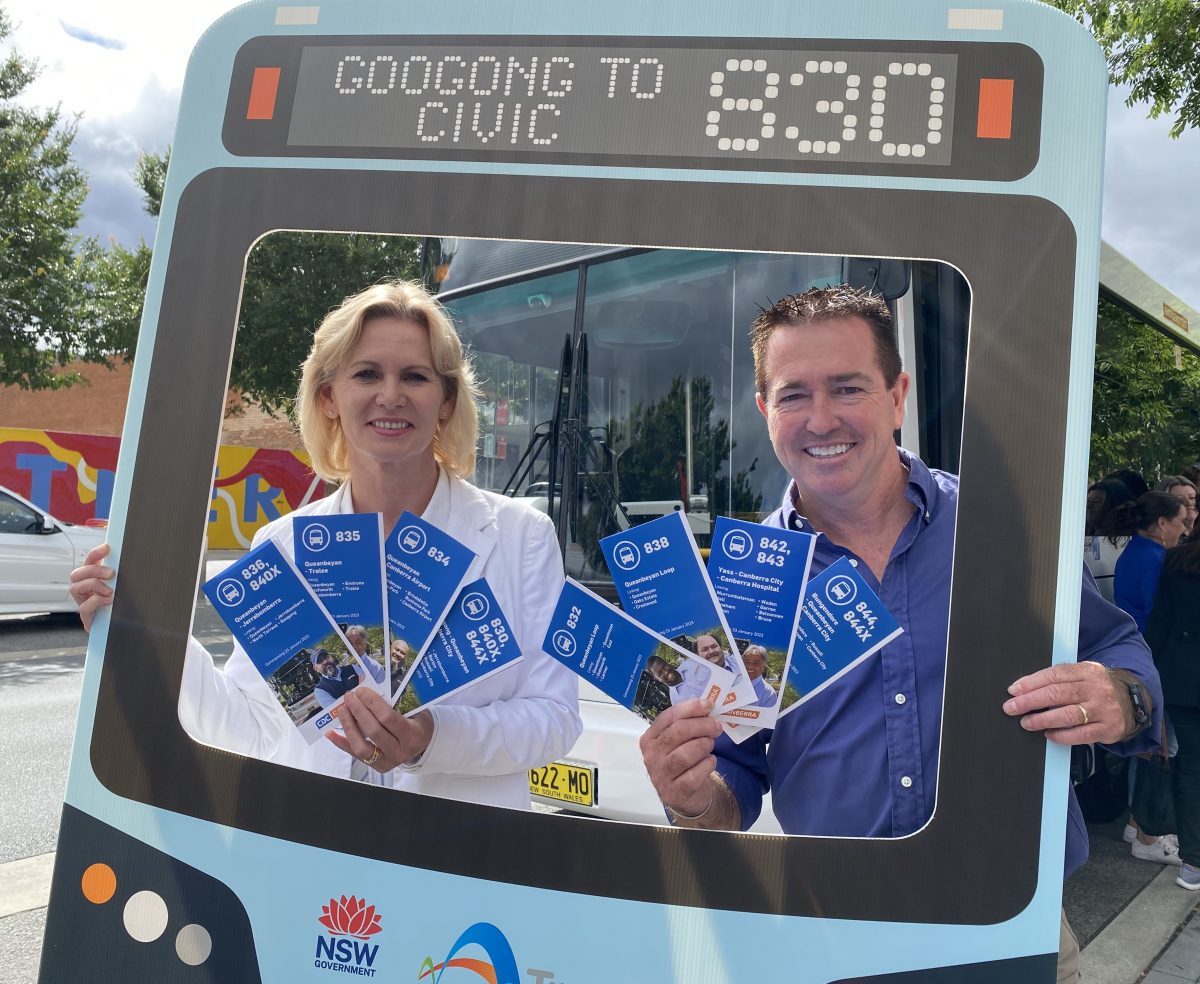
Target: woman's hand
89, 585
377, 735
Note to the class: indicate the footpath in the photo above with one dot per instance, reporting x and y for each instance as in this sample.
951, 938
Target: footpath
1133, 922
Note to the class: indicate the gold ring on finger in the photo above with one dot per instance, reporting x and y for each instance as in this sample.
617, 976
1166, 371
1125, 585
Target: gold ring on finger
1086, 717
375, 756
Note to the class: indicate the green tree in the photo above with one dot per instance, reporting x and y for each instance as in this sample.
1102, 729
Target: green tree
1146, 399
113, 285
292, 280
41, 197
1151, 46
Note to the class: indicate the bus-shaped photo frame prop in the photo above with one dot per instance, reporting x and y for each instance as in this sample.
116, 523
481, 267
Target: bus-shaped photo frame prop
179, 861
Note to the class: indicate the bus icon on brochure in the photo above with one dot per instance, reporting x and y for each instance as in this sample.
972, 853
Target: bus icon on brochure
475, 606
841, 590
316, 537
627, 556
738, 544
411, 539
230, 592
564, 643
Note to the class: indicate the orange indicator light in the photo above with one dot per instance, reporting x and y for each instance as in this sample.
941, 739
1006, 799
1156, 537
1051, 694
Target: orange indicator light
995, 109
262, 94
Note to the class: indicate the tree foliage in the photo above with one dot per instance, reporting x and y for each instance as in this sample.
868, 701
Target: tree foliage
1151, 46
41, 198
293, 279
1146, 399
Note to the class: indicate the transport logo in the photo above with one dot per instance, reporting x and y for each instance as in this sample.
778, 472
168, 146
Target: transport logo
499, 967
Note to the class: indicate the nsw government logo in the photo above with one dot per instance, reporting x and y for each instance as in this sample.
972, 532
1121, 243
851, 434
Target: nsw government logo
345, 948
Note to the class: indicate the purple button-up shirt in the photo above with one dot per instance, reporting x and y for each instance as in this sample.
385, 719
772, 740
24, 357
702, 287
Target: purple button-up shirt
880, 723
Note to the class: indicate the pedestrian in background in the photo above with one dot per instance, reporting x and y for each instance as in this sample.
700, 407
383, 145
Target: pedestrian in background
1173, 632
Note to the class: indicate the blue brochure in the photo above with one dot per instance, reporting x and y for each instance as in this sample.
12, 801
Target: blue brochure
425, 568
637, 668
659, 576
842, 622
759, 574
341, 557
474, 642
289, 636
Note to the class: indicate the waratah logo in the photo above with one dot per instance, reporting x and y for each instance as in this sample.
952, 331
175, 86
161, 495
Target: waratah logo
350, 917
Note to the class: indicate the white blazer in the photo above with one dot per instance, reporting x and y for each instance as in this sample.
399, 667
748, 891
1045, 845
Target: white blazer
486, 737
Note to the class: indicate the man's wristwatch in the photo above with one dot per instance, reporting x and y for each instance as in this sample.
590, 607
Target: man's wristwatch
1137, 703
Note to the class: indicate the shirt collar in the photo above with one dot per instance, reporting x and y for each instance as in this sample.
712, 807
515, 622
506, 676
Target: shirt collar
438, 511
920, 491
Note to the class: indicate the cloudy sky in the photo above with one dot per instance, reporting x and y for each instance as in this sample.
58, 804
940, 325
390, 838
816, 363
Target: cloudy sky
120, 64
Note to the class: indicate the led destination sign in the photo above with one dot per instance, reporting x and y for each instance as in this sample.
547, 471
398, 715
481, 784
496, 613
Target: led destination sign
778, 105
931, 108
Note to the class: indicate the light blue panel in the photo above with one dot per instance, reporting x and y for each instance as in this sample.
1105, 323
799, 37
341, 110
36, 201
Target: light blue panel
423, 910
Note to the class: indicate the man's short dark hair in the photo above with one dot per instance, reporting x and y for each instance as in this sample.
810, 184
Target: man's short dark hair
827, 304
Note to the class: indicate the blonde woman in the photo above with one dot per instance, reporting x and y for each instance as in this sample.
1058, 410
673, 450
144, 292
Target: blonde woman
386, 408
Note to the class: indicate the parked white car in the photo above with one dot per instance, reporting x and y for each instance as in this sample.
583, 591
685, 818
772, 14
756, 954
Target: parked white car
37, 555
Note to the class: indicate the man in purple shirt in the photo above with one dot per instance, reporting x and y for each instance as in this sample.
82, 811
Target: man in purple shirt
832, 391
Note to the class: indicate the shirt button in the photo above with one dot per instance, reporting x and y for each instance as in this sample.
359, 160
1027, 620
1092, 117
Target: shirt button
905, 781
853, 562
900, 698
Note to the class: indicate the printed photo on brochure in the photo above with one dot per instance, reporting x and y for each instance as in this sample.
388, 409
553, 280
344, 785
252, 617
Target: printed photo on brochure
660, 579
759, 575
290, 637
341, 557
638, 668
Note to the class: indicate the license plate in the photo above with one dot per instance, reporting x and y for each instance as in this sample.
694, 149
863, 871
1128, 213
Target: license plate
567, 782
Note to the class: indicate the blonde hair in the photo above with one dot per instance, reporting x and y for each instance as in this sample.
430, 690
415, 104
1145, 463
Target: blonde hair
334, 341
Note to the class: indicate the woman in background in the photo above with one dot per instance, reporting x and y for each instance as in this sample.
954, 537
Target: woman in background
1153, 522
1157, 519
1102, 543
1184, 489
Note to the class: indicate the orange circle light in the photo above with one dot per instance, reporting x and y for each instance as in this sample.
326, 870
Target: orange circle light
99, 883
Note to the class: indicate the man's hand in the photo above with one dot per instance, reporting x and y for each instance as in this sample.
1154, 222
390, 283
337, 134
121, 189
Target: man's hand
379, 736
677, 749
1073, 703
90, 589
